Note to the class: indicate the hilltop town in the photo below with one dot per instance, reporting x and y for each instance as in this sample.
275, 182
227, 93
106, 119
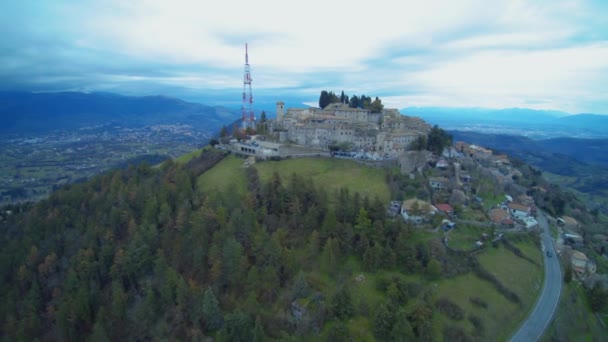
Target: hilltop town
465, 184
342, 131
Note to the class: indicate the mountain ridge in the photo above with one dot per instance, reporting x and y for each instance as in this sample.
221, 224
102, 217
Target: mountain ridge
39, 112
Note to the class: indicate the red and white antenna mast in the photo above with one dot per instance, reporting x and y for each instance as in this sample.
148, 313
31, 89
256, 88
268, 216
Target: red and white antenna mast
247, 109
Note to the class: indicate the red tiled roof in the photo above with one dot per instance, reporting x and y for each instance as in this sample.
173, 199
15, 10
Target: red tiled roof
499, 215
517, 206
444, 207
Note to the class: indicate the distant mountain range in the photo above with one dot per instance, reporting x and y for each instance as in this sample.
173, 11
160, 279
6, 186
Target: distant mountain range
535, 124
40, 112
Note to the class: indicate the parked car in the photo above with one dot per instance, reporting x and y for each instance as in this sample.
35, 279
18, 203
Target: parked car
549, 254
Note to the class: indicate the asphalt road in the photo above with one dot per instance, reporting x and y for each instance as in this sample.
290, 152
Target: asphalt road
534, 327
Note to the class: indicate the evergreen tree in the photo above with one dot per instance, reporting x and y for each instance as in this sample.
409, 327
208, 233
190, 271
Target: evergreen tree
258, 330
300, 287
364, 224
402, 329
212, 314
237, 327
341, 304
383, 322
330, 255
224, 132
100, 333
437, 140
338, 332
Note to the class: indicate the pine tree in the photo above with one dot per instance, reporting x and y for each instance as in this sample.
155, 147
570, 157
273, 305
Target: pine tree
383, 322
212, 314
402, 329
258, 330
341, 304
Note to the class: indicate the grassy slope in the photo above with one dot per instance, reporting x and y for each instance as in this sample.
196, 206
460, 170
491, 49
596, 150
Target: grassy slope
186, 157
519, 275
331, 174
226, 175
574, 320
502, 317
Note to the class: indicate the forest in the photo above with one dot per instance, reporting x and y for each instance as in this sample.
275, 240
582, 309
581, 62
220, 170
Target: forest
142, 253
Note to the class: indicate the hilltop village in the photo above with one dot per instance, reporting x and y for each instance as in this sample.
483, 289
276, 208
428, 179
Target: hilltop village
342, 131
465, 184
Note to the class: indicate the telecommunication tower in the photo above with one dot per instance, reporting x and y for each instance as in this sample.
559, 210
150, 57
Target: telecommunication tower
247, 109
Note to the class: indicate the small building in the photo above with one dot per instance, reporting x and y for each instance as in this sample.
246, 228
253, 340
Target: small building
439, 183
519, 210
465, 178
501, 217
530, 222
447, 225
417, 211
442, 164
573, 236
579, 262
568, 222
445, 208
525, 199
394, 208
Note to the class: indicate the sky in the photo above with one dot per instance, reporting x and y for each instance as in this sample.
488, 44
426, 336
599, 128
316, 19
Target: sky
455, 53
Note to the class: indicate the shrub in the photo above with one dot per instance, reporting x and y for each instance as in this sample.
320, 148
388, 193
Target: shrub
451, 333
478, 324
450, 309
478, 302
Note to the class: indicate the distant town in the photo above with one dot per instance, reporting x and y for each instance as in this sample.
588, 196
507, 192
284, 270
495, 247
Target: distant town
31, 166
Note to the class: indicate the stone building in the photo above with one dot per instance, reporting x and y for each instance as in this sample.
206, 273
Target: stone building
388, 133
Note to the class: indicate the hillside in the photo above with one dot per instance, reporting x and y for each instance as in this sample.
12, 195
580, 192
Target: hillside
204, 247
577, 164
22, 112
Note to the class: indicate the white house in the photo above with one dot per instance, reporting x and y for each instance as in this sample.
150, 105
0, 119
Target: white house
519, 210
530, 222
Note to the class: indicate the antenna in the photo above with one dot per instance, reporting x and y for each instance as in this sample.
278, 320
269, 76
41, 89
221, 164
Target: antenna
247, 109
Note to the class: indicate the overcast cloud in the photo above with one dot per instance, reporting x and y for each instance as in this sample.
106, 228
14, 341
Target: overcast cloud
469, 53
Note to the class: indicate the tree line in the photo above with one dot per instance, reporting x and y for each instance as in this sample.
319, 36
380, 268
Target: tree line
364, 102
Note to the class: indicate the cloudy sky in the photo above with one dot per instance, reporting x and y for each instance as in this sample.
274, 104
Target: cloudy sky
455, 53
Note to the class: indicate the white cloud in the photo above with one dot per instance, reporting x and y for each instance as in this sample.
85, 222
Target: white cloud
439, 52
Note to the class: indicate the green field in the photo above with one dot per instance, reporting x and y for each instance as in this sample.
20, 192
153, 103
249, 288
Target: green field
463, 237
331, 175
501, 317
227, 175
188, 156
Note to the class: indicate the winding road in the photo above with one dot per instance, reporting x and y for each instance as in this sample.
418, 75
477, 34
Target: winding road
534, 327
